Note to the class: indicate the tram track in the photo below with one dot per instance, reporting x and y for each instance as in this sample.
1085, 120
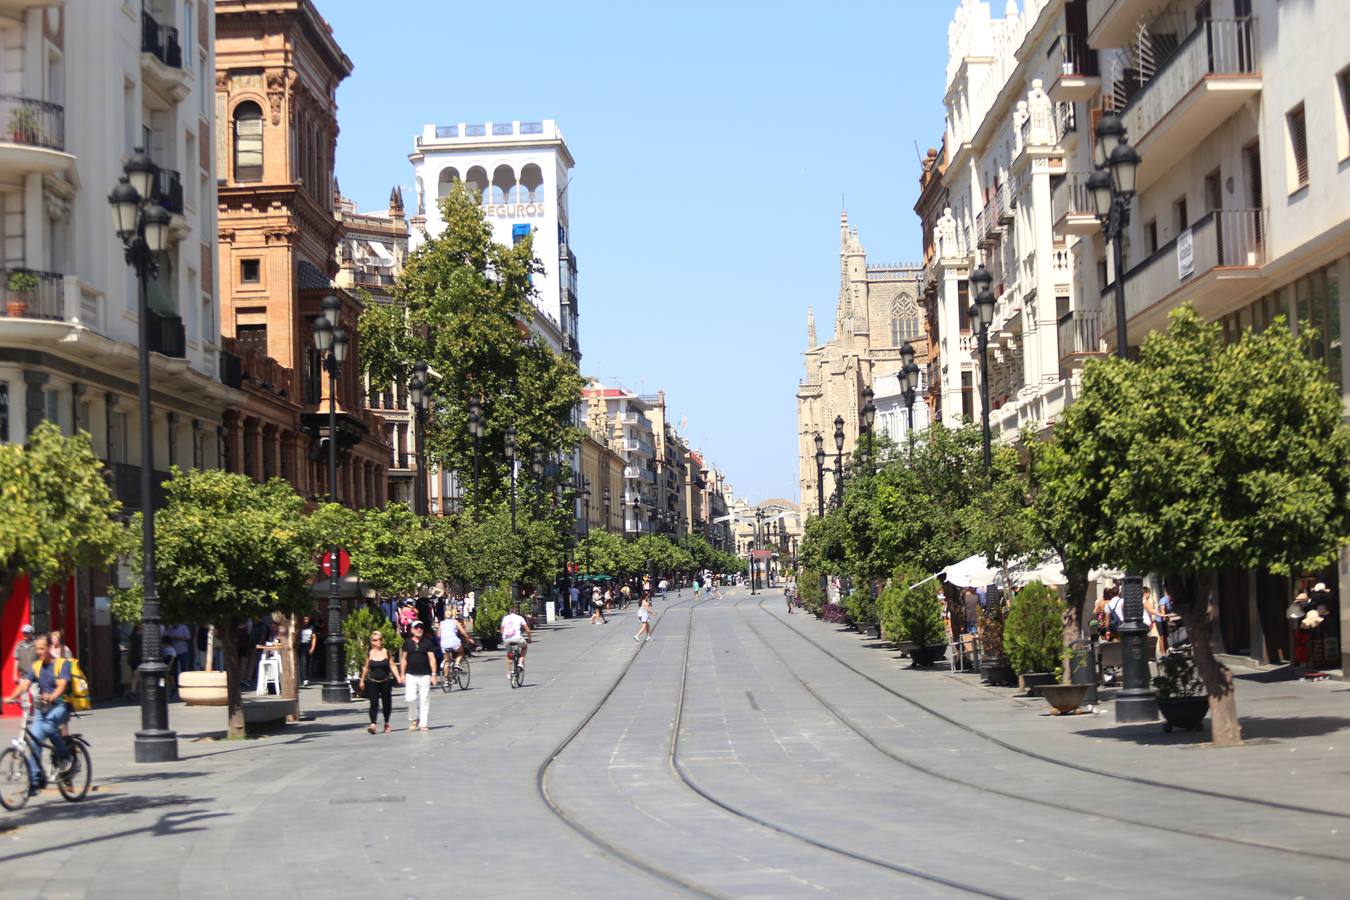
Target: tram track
868, 738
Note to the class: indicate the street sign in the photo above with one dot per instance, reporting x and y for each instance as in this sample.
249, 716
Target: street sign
344, 563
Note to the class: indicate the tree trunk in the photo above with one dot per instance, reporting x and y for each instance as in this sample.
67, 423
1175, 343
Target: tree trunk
210, 661
234, 697
1075, 597
1190, 597
290, 684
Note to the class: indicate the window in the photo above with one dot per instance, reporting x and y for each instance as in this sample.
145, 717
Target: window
1213, 193
1297, 132
250, 271
1343, 123
185, 29
4, 412
252, 337
968, 396
1150, 239
248, 142
190, 183
1179, 214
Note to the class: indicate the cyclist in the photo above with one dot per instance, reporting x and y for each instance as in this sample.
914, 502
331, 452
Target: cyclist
52, 710
454, 641
515, 635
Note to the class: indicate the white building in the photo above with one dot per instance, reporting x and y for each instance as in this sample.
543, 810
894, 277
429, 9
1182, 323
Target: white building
83, 83
521, 171
617, 418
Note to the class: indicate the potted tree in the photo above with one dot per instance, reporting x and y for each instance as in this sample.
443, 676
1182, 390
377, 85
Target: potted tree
357, 628
1033, 636
23, 125
207, 687
919, 614
19, 287
1182, 699
492, 605
994, 665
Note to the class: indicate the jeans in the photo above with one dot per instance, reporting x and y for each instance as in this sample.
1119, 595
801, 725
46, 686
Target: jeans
46, 726
418, 691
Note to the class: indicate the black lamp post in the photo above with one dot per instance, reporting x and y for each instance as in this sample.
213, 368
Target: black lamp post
635, 506
838, 461
417, 392
143, 227
331, 342
476, 432
511, 464
1113, 189
607, 506
537, 467
757, 543
868, 416
909, 383
981, 315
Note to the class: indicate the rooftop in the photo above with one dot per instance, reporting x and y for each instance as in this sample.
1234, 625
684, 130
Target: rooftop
475, 135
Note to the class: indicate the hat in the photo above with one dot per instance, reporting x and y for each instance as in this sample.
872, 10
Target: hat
1319, 587
27, 629
418, 624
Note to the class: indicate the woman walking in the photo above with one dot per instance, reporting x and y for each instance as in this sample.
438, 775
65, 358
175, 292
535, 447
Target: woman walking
379, 673
645, 617
597, 607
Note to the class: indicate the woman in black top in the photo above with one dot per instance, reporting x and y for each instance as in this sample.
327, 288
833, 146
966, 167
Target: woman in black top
379, 673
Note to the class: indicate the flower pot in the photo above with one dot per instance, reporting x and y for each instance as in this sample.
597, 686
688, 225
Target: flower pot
923, 657
1032, 682
202, 688
16, 307
1186, 713
1065, 698
997, 671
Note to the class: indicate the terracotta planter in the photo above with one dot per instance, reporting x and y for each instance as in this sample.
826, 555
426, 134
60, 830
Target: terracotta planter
16, 307
202, 688
1065, 698
1186, 713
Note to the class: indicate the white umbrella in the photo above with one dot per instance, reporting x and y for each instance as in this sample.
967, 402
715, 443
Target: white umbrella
970, 572
1047, 571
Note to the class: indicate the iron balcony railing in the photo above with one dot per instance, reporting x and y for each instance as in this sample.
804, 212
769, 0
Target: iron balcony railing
1070, 196
1215, 47
33, 295
1079, 332
33, 123
169, 190
160, 41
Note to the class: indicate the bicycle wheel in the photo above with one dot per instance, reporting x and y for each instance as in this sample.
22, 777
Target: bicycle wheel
520, 674
74, 783
462, 674
13, 780
446, 677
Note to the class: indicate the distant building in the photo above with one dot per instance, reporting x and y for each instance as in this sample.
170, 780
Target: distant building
876, 313
617, 418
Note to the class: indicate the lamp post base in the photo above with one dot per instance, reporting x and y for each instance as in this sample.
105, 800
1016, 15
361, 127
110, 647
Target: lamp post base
156, 745
337, 692
1135, 702
1136, 706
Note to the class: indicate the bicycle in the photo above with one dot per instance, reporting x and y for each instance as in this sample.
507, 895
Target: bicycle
517, 669
14, 782
456, 672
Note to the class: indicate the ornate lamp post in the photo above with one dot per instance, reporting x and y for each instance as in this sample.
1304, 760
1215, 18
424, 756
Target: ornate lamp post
981, 314
510, 449
143, 227
867, 416
909, 383
607, 504
417, 392
636, 505
476, 432
331, 342
838, 461
1112, 190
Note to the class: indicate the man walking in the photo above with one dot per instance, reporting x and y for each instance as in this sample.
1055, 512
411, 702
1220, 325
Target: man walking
25, 654
418, 668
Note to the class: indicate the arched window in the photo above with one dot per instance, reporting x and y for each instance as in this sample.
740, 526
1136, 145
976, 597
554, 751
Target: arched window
503, 181
445, 181
477, 180
532, 184
248, 142
904, 320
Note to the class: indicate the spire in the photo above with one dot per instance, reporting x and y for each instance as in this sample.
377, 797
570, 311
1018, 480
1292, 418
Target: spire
810, 326
396, 203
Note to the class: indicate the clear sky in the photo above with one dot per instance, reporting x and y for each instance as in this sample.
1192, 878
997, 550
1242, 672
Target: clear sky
714, 143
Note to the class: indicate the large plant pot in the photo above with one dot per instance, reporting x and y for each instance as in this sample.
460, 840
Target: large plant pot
997, 671
1065, 698
923, 657
203, 688
16, 307
1186, 713
1032, 682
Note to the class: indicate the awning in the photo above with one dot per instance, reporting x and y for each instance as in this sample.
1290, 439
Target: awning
970, 572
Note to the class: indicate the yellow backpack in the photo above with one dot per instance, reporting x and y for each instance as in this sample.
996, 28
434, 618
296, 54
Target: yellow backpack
77, 692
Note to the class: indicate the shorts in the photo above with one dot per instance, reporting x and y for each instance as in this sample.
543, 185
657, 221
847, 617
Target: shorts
517, 641
451, 645
642, 616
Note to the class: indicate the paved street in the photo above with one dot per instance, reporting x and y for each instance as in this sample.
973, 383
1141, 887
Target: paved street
742, 752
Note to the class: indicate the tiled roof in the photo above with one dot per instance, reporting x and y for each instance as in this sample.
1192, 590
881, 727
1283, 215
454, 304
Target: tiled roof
309, 278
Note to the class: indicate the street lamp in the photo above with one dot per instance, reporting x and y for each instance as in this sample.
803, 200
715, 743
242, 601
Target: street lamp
868, 414
143, 227
981, 314
839, 460
909, 383
331, 342
1112, 188
511, 464
476, 432
607, 505
635, 506
417, 392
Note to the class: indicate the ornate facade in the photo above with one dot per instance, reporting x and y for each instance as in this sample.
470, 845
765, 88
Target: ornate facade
876, 313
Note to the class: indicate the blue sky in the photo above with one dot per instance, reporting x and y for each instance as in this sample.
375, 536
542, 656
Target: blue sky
713, 146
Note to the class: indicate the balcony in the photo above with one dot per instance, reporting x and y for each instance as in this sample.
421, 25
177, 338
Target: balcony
1111, 23
1080, 335
257, 370
1224, 247
634, 445
1066, 121
33, 139
1209, 77
402, 461
1071, 208
33, 295
1079, 77
638, 472
162, 58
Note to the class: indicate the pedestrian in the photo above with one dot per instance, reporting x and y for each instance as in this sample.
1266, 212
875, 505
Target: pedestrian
664, 587
470, 604
417, 671
309, 642
179, 637
377, 680
1115, 612
573, 601
597, 606
1162, 619
25, 654
59, 648
645, 617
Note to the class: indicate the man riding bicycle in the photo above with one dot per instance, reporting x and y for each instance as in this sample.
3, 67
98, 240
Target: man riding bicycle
52, 710
515, 636
454, 642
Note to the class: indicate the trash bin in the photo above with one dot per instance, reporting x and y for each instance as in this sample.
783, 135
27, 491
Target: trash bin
1083, 667
550, 611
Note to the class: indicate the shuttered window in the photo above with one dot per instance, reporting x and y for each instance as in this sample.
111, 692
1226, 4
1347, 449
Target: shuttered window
1298, 145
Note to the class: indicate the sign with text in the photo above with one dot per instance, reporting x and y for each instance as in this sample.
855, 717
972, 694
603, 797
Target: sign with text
1185, 255
515, 210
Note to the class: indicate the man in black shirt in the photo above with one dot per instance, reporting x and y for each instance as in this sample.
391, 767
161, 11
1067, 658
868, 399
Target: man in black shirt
418, 665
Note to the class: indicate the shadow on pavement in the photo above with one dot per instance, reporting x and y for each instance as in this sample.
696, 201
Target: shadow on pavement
1268, 676
150, 776
1253, 728
168, 824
